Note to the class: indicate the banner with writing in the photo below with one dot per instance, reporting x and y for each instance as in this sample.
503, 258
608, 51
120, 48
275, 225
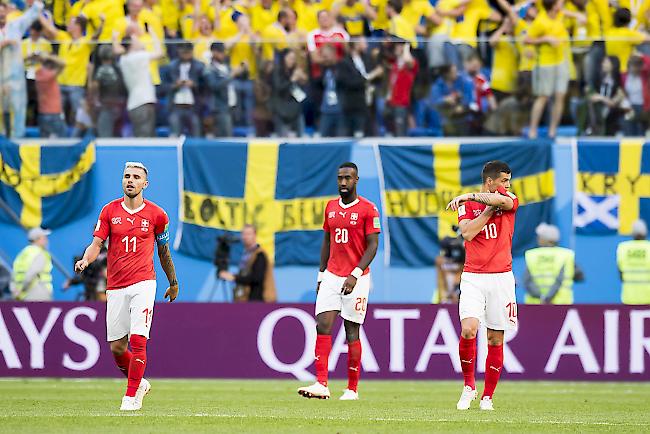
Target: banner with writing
45, 185
419, 181
281, 188
612, 186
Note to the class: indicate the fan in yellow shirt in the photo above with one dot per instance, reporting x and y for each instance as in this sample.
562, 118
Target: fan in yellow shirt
74, 51
551, 74
353, 13
262, 14
414, 11
398, 26
465, 30
112, 11
139, 21
504, 63
620, 40
277, 36
307, 11
243, 46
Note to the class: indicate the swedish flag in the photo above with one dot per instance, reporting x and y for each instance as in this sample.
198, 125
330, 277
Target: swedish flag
281, 188
613, 186
419, 181
46, 186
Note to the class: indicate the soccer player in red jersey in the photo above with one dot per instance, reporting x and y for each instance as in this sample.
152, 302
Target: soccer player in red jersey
133, 225
487, 286
351, 225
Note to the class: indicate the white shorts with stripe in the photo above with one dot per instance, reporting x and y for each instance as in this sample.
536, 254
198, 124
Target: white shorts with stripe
352, 306
490, 297
129, 311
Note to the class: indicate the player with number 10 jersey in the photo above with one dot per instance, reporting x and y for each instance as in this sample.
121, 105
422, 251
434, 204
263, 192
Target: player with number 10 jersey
487, 285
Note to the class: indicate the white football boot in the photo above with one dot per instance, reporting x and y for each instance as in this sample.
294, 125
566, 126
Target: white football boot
143, 389
316, 390
128, 404
466, 397
349, 395
486, 404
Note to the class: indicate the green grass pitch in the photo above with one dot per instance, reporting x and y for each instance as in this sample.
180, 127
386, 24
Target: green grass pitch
239, 406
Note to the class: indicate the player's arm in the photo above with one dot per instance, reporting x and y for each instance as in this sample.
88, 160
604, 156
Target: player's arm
90, 254
499, 200
165, 257
372, 242
324, 257
470, 228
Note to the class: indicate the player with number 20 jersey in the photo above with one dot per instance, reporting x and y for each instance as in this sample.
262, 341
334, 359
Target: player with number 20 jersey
351, 226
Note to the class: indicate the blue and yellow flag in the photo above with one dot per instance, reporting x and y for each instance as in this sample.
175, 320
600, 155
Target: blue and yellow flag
613, 186
47, 186
419, 181
281, 188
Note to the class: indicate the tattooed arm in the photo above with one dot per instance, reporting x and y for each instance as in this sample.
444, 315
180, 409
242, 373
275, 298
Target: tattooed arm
498, 200
165, 256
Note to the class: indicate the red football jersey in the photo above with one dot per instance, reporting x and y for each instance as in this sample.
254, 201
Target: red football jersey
133, 234
491, 250
348, 226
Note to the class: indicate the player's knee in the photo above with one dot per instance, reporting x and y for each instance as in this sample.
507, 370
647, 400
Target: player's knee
118, 348
469, 331
323, 328
495, 341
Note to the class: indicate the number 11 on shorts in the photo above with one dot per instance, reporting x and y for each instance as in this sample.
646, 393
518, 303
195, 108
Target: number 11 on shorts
148, 313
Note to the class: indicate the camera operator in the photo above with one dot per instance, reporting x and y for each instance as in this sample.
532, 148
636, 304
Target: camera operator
254, 282
449, 267
93, 278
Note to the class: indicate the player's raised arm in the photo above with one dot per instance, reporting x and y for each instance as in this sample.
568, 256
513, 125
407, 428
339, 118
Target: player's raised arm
499, 200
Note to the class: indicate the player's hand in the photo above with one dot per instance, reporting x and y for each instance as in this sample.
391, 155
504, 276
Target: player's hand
348, 285
456, 202
80, 265
172, 292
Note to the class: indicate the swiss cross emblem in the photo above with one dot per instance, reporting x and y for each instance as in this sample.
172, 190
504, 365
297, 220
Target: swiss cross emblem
331, 215
145, 225
354, 216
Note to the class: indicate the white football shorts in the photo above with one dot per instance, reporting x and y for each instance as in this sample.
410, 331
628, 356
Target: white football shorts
129, 311
490, 297
352, 306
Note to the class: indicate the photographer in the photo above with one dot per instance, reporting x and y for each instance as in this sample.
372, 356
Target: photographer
254, 282
93, 278
449, 267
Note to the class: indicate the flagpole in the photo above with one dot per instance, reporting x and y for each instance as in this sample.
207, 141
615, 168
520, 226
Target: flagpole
16, 219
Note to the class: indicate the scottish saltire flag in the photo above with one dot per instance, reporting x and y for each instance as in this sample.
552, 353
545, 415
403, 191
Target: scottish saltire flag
612, 186
281, 188
419, 181
47, 186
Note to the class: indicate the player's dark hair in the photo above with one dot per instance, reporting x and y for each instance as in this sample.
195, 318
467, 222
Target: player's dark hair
350, 165
492, 169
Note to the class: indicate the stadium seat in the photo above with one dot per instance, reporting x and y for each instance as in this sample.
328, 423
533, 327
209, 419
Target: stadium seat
162, 131
32, 132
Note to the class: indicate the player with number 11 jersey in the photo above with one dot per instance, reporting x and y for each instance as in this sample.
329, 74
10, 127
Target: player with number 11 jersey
132, 226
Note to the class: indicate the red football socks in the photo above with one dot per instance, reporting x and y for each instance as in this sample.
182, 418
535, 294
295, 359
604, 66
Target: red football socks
354, 364
467, 352
493, 365
138, 363
123, 361
323, 348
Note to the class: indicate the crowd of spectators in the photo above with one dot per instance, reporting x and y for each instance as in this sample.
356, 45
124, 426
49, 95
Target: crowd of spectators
218, 68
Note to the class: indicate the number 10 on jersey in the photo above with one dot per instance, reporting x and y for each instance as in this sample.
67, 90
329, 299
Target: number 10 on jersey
490, 231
